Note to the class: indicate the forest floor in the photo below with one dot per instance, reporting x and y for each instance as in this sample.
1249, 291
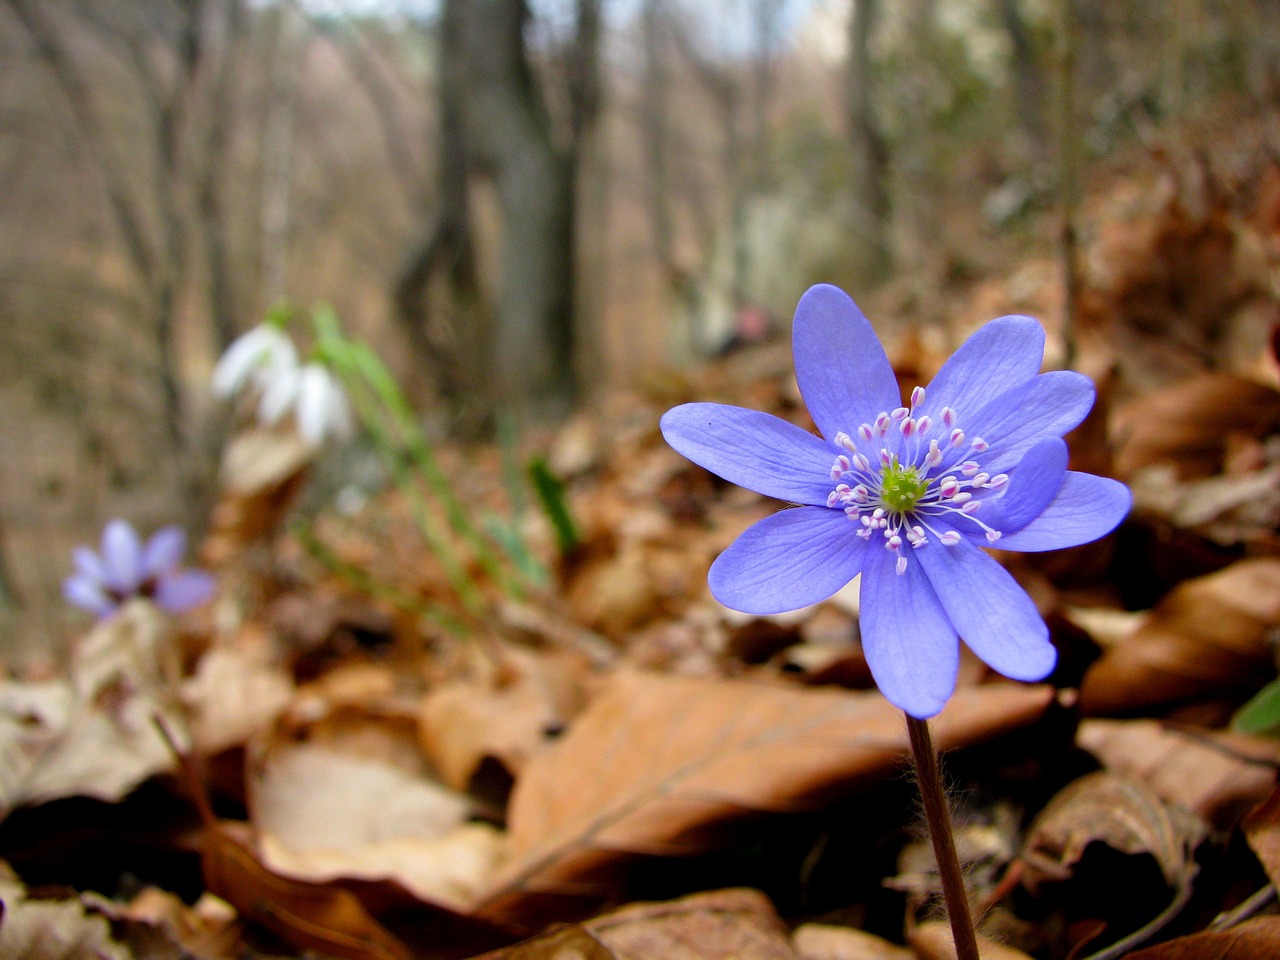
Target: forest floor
582, 754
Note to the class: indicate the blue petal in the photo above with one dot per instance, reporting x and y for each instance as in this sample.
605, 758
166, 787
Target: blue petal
1000, 356
1049, 406
993, 615
121, 557
163, 551
1033, 484
910, 645
1085, 508
788, 561
754, 450
179, 592
87, 594
89, 564
841, 367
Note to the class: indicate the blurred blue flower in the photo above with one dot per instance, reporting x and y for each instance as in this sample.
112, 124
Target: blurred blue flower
126, 568
908, 495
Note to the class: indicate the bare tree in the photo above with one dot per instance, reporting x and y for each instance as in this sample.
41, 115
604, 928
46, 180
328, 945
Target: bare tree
1027, 76
871, 213
495, 125
171, 157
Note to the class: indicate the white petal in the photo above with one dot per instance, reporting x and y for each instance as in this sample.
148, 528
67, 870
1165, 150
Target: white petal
264, 346
279, 395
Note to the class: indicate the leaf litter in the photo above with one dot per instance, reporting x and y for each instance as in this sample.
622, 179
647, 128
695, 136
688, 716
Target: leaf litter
361, 769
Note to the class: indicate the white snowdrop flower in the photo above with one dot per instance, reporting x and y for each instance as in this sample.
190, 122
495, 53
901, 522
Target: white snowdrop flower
321, 408
259, 357
278, 393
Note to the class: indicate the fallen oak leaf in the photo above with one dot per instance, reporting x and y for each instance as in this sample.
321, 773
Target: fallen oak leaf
1256, 939
563, 943
1208, 636
1122, 813
351, 799
1128, 817
35, 928
672, 761
1262, 830
309, 916
1216, 775
738, 924
1182, 425
933, 940
91, 734
820, 941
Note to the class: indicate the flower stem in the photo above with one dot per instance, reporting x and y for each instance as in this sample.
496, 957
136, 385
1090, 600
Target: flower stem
938, 817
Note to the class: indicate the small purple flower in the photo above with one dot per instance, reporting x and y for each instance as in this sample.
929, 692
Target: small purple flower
908, 495
127, 568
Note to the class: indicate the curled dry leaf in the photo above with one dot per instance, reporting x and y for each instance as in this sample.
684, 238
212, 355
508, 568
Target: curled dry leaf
1256, 939
1189, 425
1215, 775
1228, 509
563, 943
1122, 813
207, 930
309, 916
263, 470
91, 734
933, 941
356, 801
506, 715
237, 689
662, 765
820, 941
718, 925
43, 929
1208, 637
1262, 828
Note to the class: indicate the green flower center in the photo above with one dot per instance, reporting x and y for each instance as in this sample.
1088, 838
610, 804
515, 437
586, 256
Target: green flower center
901, 487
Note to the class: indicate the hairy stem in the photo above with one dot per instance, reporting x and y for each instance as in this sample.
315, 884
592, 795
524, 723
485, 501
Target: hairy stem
938, 817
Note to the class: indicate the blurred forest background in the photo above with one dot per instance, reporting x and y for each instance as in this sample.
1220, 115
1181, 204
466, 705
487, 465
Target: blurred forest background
522, 205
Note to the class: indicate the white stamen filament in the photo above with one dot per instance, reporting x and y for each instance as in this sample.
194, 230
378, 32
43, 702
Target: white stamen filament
905, 491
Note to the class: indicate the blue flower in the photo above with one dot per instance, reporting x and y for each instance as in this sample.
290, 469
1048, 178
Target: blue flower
908, 496
126, 568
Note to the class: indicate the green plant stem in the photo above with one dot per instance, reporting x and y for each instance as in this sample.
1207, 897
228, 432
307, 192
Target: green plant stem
938, 817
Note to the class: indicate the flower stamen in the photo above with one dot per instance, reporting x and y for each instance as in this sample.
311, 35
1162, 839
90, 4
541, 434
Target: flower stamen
895, 484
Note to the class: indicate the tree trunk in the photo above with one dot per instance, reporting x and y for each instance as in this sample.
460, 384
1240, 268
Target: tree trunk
870, 154
1028, 80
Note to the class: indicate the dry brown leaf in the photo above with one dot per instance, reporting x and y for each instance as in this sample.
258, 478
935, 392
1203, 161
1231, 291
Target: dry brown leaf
41, 929
354, 800
237, 690
1215, 775
820, 941
735, 924
933, 941
1227, 509
1122, 813
658, 764
506, 715
91, 734
563, 943
263, 470
1188, 425
1208, 637
309, 916
1256, 939
207, 930
1262, 828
